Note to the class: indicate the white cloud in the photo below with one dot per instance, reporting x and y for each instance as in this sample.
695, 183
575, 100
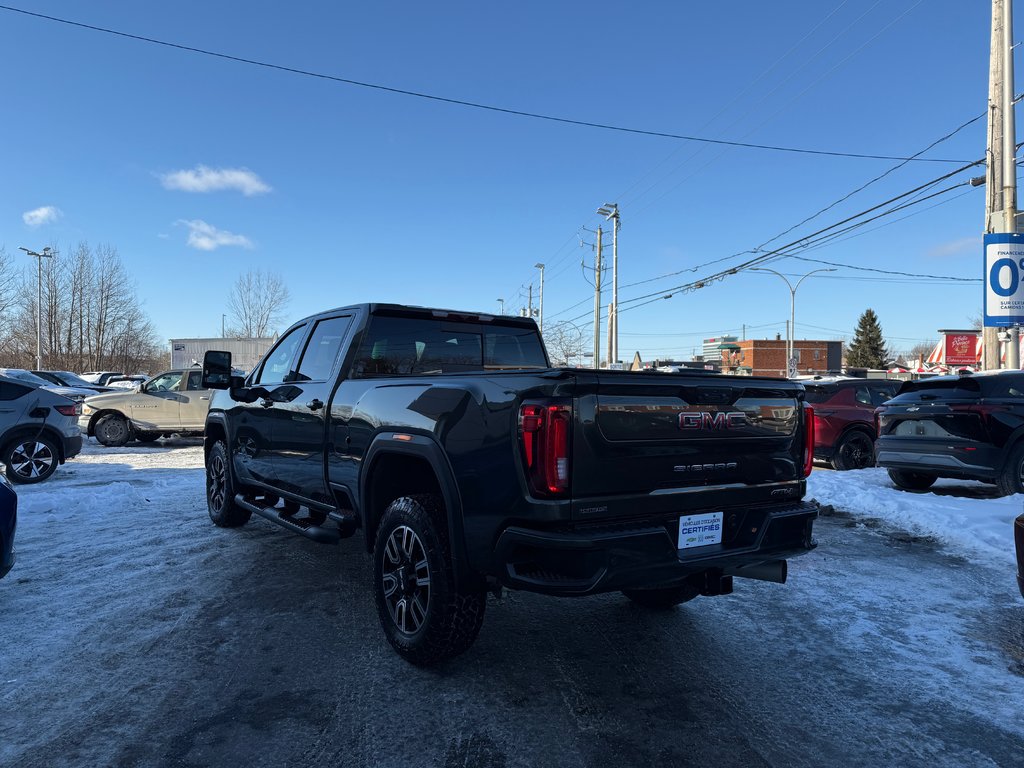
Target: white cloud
959, 247
206, 237
205, 179
47, 214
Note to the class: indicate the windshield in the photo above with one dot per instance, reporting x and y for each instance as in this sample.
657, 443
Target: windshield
71, 379
29, 378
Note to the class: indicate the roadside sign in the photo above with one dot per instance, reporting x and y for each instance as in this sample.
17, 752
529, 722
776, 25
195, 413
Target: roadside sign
1004, 279
792, 368
961, 349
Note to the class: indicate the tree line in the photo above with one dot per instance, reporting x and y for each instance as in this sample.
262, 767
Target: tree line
92, 317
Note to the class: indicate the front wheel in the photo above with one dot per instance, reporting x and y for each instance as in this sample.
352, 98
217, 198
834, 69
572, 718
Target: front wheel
220, 490
911, 481
113, 430
855, 451
662, 598
425, 615
30, 459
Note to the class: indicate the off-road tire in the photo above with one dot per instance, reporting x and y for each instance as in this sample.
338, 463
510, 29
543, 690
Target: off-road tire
911, 481
451, 618
855, 450
1011, 479
220, 490
113, 430
30, 459
662, 598
147, 437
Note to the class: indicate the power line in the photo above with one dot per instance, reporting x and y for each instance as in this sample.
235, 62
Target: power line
945, 278
462, 102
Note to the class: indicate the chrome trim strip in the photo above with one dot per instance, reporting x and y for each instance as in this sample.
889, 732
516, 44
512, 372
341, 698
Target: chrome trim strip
726, 486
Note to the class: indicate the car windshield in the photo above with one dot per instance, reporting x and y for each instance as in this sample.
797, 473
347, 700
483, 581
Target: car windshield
71, 379
28, 378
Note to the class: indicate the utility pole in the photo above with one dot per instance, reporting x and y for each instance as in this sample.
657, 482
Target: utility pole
529, 304
540, 319
501, 306
48, 253
611, 211
223, 331
1001, 170
597, 303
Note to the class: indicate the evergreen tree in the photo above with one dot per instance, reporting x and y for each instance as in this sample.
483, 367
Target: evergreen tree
868, 347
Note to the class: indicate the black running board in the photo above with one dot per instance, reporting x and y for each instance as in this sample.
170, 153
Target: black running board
295, 525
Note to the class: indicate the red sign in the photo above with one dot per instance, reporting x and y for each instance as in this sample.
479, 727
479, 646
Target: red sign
961, 349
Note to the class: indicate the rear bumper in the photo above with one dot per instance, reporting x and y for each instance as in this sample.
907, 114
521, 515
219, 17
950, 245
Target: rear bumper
72, 446
1018, 537
939, 457
602, 558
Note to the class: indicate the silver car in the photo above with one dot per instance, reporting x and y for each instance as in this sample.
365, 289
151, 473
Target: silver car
38, 430
27, 377
171, 403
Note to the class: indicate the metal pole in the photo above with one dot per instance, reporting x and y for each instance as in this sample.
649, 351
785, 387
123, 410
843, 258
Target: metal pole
597, 303
1013, 349
540, 323
792, 330
223, 332
529, 304
1009, 128
501, 306
39, 314
615, 286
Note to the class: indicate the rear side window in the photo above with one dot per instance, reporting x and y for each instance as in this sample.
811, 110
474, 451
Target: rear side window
12, 391
195, 381
397, 346
817, 393
322, 349
1003, 385
862, 396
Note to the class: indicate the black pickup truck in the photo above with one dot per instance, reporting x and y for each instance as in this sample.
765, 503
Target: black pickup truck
469, 464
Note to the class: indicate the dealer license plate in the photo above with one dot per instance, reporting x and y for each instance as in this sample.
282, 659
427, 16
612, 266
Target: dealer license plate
700, 530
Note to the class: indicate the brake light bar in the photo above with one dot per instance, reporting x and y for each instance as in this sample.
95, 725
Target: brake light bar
544, 433
808, 439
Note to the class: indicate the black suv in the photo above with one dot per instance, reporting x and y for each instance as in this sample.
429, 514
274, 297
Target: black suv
969, 427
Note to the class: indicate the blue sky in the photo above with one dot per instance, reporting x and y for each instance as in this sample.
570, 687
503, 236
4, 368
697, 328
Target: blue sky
375, 196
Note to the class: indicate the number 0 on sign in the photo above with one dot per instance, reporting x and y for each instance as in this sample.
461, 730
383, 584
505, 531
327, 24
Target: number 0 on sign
1004, 279
700, 530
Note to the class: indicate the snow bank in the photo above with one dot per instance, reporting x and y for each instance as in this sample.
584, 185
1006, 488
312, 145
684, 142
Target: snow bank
964, 515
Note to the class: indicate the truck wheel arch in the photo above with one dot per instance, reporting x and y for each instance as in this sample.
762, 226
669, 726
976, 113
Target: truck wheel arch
94, 419
426, 462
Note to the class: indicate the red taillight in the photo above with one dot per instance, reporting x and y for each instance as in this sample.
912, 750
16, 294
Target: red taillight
808, 439
69, 410
544, 432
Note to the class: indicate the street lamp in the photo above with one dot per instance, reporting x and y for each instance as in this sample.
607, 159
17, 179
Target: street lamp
48, 253
791, 336
501, 306
540, 319
611, 211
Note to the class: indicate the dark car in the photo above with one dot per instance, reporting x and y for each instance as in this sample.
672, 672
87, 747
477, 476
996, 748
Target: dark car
968, 427
1018, 537
844, 419
8, 522
69, 379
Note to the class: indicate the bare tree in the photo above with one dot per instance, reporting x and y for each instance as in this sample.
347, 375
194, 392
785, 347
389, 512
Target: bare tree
257, 304
564, 342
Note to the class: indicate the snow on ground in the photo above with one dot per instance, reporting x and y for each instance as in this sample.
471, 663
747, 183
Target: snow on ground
964, 515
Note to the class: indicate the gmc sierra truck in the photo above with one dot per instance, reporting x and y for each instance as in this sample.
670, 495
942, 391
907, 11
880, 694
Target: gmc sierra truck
468, 464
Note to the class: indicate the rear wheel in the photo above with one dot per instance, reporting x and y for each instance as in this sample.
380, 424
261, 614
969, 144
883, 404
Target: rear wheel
113, 430
855, 450
220, 490
662, 598
1011, 479
911, 481
426, 616
30, 459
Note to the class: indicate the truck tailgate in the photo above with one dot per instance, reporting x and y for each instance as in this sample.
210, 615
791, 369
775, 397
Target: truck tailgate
645, 443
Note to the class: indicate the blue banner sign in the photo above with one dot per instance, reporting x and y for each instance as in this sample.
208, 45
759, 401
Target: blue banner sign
1004, 279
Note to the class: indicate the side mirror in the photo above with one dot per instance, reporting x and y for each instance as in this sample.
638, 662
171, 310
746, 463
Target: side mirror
216, 370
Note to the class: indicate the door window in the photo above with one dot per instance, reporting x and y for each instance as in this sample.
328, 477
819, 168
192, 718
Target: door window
862, 396
322, 350
165, 382
195, 381
278, 363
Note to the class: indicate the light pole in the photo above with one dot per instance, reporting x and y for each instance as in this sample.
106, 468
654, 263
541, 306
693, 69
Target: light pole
540, 323
48, 253
792, 308
501, 306
611, 211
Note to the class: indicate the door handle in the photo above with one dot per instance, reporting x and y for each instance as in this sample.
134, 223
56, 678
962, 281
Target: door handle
266, 403
315, 404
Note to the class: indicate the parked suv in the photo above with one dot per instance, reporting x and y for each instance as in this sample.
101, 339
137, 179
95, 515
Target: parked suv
844, 419
38, 431
69, 379
968, 426
172, 402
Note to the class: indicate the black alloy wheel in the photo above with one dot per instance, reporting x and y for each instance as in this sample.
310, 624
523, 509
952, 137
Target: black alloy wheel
855, 451
406, 579
220, 490
31, 460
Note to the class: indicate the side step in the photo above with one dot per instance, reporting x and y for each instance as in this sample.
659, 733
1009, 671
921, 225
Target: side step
295, 525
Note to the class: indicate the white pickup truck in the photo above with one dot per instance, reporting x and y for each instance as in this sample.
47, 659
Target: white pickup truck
172, 402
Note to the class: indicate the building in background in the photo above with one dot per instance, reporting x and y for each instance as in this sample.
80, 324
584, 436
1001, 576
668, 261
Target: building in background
712, 351
767, 357
245, 353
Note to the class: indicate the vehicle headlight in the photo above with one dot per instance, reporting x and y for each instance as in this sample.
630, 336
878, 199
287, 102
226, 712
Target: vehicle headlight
86, 409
